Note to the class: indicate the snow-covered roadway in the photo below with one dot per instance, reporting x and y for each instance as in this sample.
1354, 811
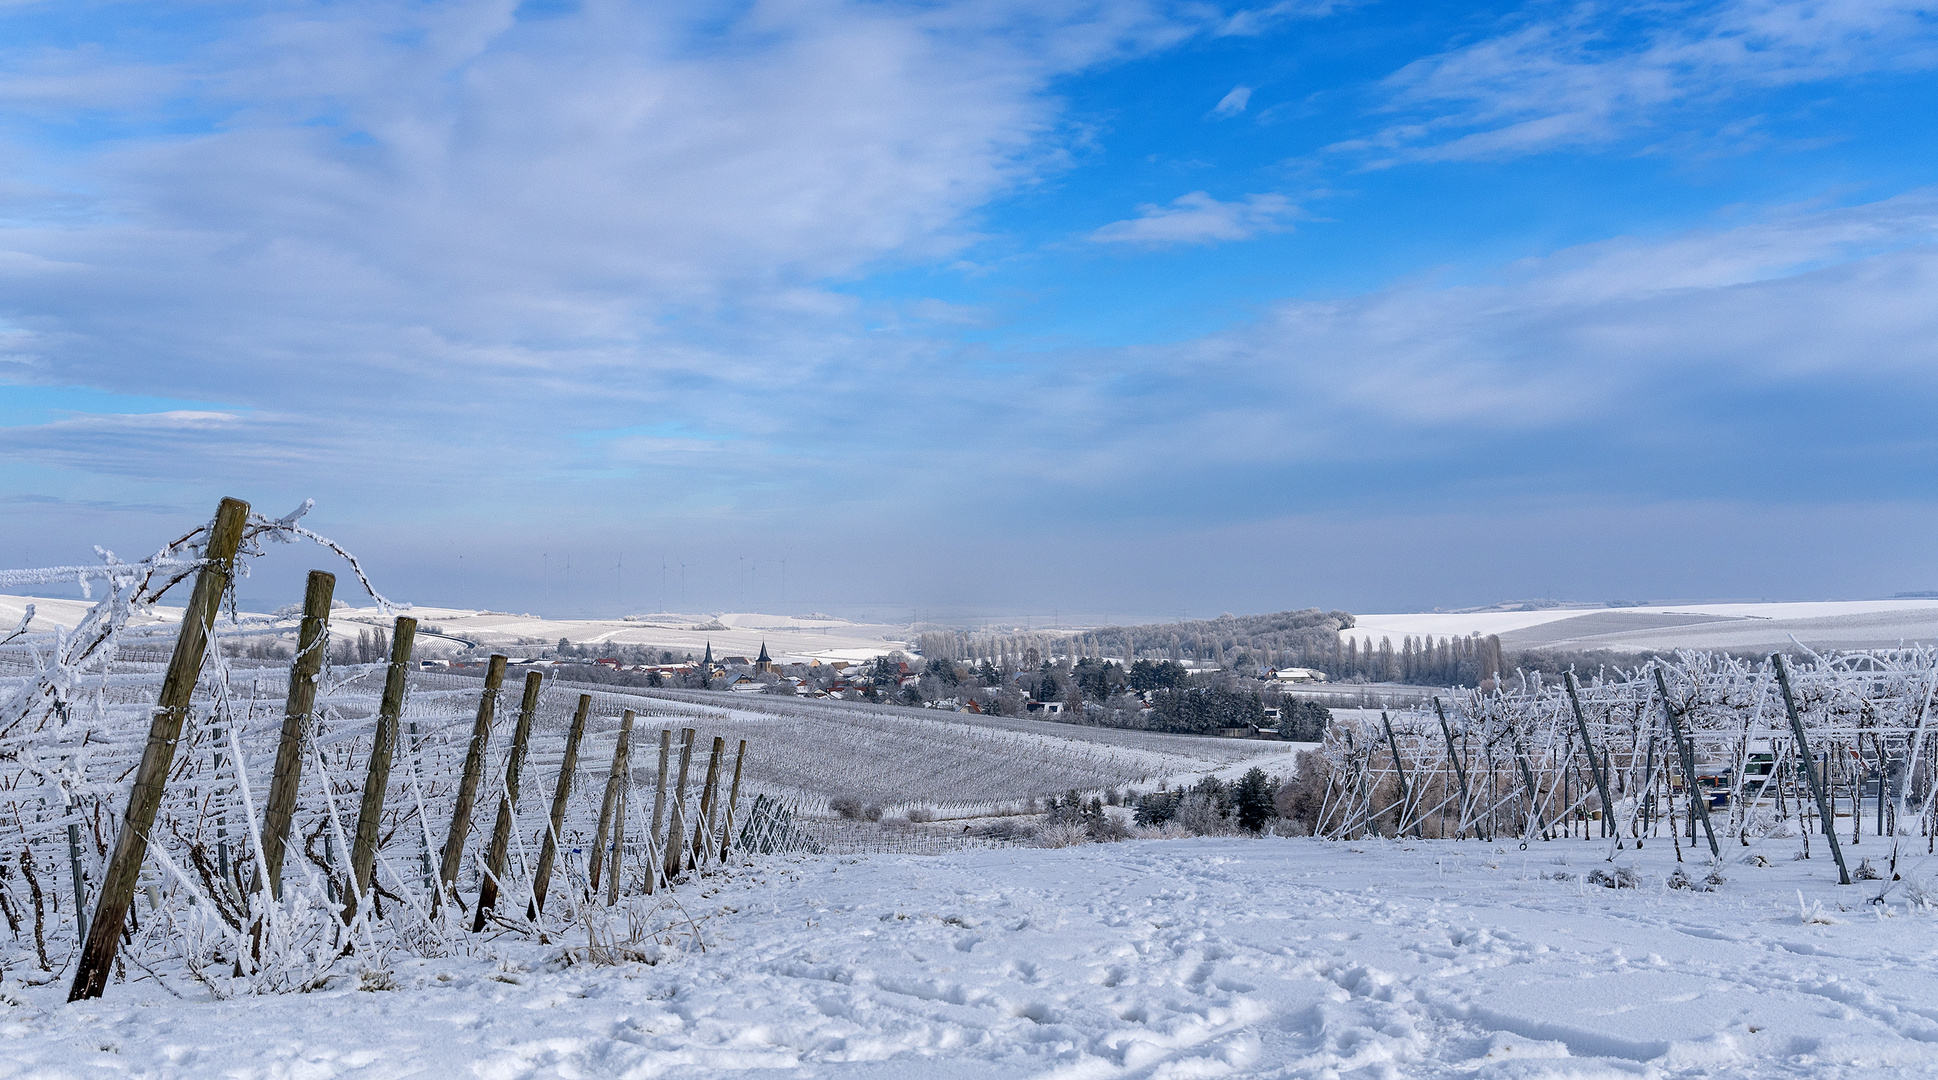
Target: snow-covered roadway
1190, 958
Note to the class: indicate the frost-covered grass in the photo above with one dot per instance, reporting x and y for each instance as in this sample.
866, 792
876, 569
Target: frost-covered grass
1274, 958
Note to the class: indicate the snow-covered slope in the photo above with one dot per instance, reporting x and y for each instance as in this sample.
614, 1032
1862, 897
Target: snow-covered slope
1272, 958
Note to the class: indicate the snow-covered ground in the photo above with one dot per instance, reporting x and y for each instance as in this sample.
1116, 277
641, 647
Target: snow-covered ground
1195, 958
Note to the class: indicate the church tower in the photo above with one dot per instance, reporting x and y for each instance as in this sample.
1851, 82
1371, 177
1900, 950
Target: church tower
763, 663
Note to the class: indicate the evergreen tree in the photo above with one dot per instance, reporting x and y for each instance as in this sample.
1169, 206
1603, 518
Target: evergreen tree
1254, 798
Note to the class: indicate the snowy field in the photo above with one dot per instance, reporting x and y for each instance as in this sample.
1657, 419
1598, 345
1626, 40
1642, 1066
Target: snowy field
1830, 624
1196, 958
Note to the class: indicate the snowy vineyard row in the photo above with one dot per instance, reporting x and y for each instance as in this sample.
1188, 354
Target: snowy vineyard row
258, 829
1704, 745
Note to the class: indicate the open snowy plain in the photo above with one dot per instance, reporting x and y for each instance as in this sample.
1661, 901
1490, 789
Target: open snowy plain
1151, 958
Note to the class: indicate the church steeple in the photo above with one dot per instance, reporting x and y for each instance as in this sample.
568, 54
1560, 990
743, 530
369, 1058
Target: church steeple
706, 662
763, 663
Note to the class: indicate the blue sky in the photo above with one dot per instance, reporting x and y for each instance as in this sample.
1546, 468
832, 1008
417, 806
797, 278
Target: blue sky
1130, 309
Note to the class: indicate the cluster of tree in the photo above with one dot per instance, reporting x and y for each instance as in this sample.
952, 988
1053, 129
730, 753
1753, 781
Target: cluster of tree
625, 654
370, 646
1272, 640
1213, 806
1202, 710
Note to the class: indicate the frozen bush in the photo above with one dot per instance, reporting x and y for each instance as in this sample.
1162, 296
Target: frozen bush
872, 812
847, 806
1201, 814
921, 815
1621, 877
1866, 872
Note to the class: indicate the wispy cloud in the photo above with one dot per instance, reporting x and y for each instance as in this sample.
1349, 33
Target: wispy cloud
1587, 74
1233, 103
1198, 218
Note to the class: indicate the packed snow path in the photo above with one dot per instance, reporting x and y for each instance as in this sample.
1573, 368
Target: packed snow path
1149, 958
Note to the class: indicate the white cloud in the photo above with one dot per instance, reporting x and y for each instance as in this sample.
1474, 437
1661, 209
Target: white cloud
1198, 218
1233, 103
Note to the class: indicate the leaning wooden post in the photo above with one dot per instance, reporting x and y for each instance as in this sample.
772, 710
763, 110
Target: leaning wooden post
1601, 782
611, 803
1809, 769
508, 803
1460, 771
164, 729
1687, 752
363, 853
549, 852
676, 829
311, 643
709, 794
654, 846
733, 799
1406, 798
474, 760
616, 869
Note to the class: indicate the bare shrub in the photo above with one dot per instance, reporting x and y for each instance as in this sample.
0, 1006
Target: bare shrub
872, 812
921, 815
1060, 835
847, 806
1106, 830
1301, 799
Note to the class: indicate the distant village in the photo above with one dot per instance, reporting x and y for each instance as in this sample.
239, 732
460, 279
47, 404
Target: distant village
1186, 697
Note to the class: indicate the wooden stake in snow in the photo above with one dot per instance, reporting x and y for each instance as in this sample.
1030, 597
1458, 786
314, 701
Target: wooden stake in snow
1406, 799
654, 843
709, 793
1810, 769
549, 853
733, 799
1460, 771
383, 749
614, 779
1594, 767
312, 642
178, 686
474, 760
508, 802
1693, 790
676, 829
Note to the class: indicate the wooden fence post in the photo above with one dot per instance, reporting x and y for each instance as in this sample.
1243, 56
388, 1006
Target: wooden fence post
733, 800
171, 710
507, 803
383, 749
1687, 751
709, 794
1810, 769
447, 878
676, 829
614, 778
548, 854
1601, 780
312, 642
653, 842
